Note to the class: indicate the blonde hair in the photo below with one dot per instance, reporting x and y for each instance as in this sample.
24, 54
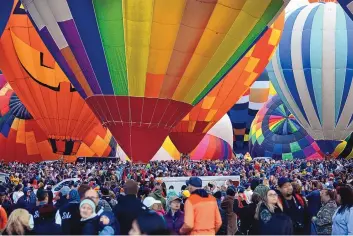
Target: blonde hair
18, 222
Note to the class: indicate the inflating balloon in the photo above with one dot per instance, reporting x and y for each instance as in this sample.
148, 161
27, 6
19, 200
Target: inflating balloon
276, 133
312, 71
42, 86
21, 138
143, 64
190, 131
244, 111
344, 149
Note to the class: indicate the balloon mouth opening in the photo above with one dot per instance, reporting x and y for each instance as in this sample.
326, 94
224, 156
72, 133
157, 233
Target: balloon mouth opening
64, 147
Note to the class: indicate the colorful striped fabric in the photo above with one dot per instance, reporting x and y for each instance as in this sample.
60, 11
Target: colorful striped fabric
276, 133
345, 148
143, 64
23, 140
187, 134
244, 111
312, 71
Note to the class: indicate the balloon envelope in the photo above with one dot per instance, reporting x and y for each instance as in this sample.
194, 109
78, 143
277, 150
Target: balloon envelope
188, 133
244, 111
22, 139
42, 86
143, 64
312, 71
276, 133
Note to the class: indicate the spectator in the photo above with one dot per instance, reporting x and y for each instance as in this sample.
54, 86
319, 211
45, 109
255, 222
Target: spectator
128, 207
270, 215
323, 221
18, 193
314, 199
149, 223
26, 201
44, 216
153, 205
343, 217
18, 223
201, 211
106, 197
64, 197
69, 214
89, 218
108, 224
248, 193
227, 205
294, 206
157, 194
3, 218
175, 217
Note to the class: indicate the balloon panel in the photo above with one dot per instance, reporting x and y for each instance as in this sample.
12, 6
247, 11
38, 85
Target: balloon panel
42, 86
176, 49
312, 70
22, 139
276, 133
244, 111
189, 132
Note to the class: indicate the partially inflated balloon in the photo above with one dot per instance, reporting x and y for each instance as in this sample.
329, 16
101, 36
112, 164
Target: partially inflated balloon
344, 149
143, 64
42, 86
244, 111
21, 138
312, 71
275, 133
190, 131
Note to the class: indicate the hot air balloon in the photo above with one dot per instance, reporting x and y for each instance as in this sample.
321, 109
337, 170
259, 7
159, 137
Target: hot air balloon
21, 138
315, 1
190, 131
312, 71
244, 111
345, 148
42, 86
275, 133
142, 64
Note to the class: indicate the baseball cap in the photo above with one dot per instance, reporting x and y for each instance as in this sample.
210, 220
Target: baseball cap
174, 198
195, 182
149, 201
282, 181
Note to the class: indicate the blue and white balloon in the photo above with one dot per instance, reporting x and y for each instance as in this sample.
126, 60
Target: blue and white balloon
312, 71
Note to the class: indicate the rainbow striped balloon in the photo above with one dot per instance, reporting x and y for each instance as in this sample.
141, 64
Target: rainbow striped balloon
312, 71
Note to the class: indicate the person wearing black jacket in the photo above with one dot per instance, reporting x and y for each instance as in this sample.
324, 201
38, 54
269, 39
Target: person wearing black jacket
129, 207
44, 216
295, 207
248, 225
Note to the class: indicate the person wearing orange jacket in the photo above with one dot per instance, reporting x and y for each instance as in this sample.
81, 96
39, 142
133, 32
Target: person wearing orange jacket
3, 218
202, 216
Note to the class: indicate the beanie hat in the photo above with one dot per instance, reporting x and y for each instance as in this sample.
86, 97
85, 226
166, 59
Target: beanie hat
261, 190
90, 203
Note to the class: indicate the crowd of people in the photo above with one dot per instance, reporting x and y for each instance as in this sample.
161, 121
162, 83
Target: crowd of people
111, 198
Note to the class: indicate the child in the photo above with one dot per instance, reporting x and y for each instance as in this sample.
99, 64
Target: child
108, 224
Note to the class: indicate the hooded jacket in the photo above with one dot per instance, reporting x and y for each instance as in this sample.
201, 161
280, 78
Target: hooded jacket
157, 194
227, 205
174, 223
202, 215
113, 228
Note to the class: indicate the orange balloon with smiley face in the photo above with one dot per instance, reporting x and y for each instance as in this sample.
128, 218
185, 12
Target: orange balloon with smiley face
42, 86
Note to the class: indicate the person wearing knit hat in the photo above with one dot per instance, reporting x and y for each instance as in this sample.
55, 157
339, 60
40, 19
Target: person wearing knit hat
89, 218
261, 190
